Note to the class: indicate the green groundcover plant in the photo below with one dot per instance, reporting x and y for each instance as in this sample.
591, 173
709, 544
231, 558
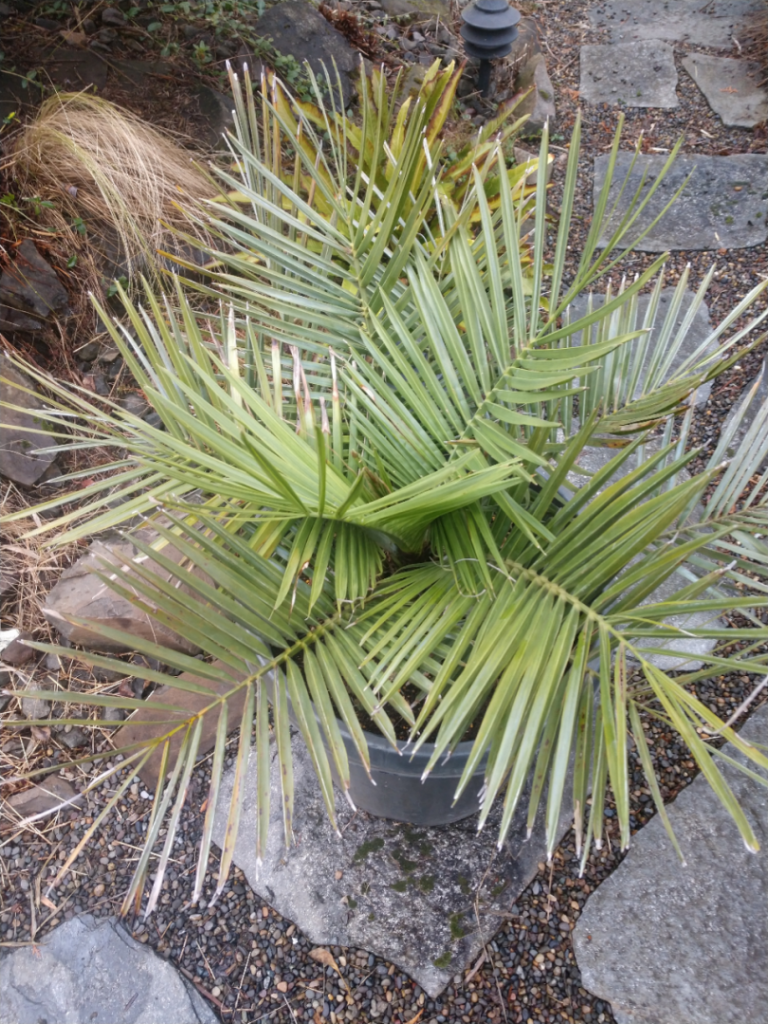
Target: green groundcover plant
369, 461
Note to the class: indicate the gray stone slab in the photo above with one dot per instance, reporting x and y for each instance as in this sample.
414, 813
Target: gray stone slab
23, 434
93, 971
667, 944
731, 87
404, 892
641, 74
699, 331
724, 205
703, 22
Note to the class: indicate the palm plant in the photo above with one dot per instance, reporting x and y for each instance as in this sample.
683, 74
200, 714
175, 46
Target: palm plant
364, 458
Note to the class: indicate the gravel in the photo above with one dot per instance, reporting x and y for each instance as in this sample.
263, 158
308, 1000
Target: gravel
254, 966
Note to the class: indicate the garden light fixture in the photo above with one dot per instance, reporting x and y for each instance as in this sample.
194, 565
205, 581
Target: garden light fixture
489, 28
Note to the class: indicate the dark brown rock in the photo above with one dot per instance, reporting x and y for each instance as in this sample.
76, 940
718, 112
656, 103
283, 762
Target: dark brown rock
42, 797
17, 653
149, 722
297, 29
73, 69
81, 594
22, 433
30, 292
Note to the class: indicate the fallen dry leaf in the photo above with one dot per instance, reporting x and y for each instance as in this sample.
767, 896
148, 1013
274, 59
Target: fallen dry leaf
40, 733
73, 38
413, 1020
324, 957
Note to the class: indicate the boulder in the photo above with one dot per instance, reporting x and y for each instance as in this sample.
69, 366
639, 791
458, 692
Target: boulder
297, 29
22, 432
81, 594
30, 292
88, 970
539, 104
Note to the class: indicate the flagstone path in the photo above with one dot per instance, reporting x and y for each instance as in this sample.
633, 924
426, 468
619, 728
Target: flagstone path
666, 944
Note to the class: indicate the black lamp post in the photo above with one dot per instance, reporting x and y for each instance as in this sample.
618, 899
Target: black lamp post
489, 28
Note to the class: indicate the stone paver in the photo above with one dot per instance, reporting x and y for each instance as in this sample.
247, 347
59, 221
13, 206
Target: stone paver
667, 944
731, 87
640, 74
696, 335
724, 205
702, 22
406, 893
92, 972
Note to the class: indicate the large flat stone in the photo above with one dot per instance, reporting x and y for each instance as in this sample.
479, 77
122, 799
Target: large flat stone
703, 22
23, 433
405, 892
696, 335
92, 972
724, 205
732, 87
640, 74
667, 944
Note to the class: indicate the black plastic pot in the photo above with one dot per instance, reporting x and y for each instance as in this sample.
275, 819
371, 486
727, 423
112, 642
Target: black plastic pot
399, 792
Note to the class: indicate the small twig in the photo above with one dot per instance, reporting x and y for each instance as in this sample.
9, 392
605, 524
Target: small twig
205, 958
204, 991
739, 710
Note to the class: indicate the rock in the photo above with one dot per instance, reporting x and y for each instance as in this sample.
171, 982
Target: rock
297, 29
732, 87
73, 739
79, 593
724, 205
73, 69
43, 796
149, 721
30, 292
12, 96
640, 74
526, 43
216, 108
89, 970
22, 433
406, 893
702, 24
112, 16
8, 581
667, 944
135, 404
539, 105
698, 331
136, 72
399, 9
114, 715
17, 653
33, 707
